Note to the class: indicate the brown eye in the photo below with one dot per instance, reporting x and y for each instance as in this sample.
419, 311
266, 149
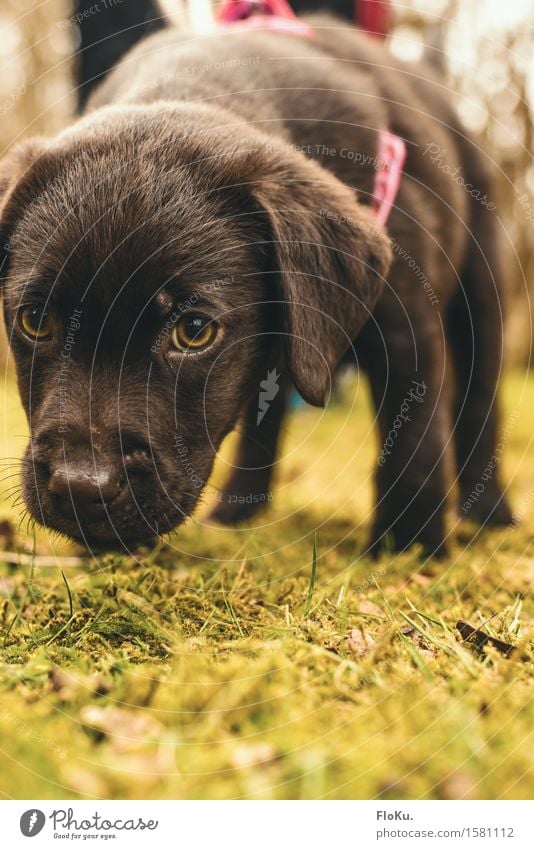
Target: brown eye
36, 323
193, 333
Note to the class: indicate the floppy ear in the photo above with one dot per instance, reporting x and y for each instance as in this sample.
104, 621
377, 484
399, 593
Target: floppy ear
13, 196
331, 258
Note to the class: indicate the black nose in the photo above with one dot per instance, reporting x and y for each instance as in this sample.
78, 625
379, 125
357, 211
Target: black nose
85, 487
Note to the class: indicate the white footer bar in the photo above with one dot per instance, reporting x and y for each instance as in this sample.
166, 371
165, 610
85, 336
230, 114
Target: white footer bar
269, 825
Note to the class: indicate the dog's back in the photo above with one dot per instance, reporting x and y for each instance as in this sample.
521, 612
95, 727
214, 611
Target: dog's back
327, 96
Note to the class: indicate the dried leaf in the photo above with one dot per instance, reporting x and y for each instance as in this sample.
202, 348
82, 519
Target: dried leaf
86, 782
479, 639
360, 642
419, 641
246, 756
421, 579
67, 684
366, 606
61, 683
128, 730
458, 785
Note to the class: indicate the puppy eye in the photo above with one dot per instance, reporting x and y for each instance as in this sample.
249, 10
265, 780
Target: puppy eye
36, 323
193, 333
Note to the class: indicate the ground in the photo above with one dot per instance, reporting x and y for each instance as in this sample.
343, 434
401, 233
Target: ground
220, 666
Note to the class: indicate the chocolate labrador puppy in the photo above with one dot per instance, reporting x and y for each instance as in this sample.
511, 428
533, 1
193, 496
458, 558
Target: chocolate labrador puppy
205, 238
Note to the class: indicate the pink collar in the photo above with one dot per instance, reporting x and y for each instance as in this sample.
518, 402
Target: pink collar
390, 158
274, 15
278, 16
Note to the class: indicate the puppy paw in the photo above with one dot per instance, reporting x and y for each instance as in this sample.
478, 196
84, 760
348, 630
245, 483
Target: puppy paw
398, 538
490, 509
238, 505
437, 551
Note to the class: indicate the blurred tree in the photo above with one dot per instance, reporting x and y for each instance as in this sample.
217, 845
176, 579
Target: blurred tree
485, 49
35, 68
35, 74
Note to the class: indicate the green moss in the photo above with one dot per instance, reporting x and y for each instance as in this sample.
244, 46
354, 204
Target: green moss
209, 669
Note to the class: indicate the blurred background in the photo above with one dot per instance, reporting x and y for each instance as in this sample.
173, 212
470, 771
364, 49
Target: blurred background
53, 52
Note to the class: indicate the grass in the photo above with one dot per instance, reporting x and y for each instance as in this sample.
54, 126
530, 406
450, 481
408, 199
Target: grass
275, 661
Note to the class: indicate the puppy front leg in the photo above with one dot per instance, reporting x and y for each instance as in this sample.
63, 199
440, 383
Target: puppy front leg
407, 387
248, 488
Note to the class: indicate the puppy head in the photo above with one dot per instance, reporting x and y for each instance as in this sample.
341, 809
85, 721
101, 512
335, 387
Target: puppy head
155, 264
